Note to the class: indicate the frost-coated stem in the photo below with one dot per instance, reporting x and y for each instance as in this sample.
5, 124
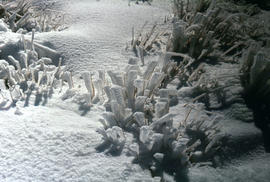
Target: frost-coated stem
182, 8
43, 22
98, 87
24, 58
24, 43
187, 8
117, 94
15, 62
10, 77
101, 75
147, 37
32, 40
40, 76
22, 21
88, 83
140, 87
132, 76
67, 77
58, 70
108, 93
71, 78
132, 40
149, 70
139, 34
141, 54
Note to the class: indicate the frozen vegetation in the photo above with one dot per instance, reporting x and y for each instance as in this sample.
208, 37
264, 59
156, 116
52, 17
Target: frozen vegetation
123, 91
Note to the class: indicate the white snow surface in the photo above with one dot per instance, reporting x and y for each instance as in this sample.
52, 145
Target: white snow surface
99, 31
54, 142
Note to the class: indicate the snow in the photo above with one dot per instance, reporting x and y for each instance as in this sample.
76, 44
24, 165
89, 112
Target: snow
246, 169
98, 32
54, 142
59, 142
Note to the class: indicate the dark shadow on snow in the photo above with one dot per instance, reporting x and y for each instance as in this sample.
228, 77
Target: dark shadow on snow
84, 108
261, 113
110, 149
168, 167
41, 98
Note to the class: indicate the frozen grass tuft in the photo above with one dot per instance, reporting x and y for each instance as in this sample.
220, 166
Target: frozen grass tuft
22, 17
31, 74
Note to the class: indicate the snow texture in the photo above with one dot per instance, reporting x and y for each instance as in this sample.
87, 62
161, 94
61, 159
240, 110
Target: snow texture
53, 142
58, 141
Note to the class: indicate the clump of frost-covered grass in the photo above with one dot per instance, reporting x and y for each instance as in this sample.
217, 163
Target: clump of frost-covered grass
255, 67
139, 102
32, 73
22, 17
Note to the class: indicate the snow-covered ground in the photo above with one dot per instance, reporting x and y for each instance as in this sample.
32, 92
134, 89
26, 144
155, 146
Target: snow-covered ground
99, 31
57, 141
54, 142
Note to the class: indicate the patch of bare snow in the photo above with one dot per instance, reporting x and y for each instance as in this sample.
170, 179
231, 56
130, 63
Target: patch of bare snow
250, 168
98, 32
52, 144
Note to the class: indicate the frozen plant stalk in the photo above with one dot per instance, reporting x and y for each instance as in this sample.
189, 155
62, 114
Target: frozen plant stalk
132, 75
88, 83
149, 70
67, 77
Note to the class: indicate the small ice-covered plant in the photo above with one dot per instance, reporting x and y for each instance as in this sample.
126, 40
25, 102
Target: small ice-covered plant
30, 74
136, 103
132, 92
151, 141
22, 16
204, 132
131, 97
157, 135
201, 35
255, 79
114, 136
66, 76
89, 86
255, 73
25, 77
146, 42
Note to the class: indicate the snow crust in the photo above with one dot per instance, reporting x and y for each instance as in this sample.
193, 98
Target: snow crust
52, 144
55, 142
98, 32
